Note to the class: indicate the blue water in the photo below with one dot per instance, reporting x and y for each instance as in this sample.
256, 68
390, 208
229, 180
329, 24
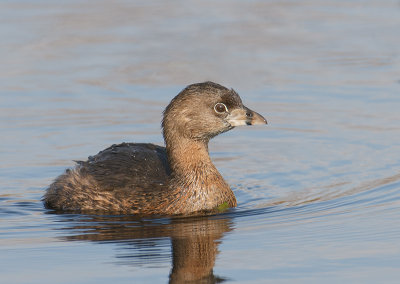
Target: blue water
318, 188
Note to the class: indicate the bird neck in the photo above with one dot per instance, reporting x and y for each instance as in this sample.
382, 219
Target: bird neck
195, 183
189, 157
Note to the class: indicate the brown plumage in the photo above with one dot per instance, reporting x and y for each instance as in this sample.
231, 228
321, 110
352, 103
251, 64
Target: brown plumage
147, 179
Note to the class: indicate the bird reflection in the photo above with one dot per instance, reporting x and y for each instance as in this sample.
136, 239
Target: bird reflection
194, 241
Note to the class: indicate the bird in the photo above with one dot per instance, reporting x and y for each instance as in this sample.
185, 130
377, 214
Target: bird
147, 179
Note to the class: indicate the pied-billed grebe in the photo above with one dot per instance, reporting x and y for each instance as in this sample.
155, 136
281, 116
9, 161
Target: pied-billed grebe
147, 179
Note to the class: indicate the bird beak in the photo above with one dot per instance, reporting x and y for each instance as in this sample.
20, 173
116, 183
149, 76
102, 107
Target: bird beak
245, 116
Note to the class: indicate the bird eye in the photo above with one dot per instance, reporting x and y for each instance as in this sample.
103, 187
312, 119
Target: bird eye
220, 108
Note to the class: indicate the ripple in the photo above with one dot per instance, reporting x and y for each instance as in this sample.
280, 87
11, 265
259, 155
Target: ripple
378, 195
318, 189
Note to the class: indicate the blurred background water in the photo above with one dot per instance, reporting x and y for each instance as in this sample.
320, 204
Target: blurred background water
318, 188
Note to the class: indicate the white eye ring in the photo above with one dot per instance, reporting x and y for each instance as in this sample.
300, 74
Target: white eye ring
220, 108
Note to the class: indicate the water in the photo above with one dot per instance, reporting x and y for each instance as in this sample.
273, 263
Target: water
318, 188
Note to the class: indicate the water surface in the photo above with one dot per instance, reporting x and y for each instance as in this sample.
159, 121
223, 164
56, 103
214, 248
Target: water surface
318, 188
